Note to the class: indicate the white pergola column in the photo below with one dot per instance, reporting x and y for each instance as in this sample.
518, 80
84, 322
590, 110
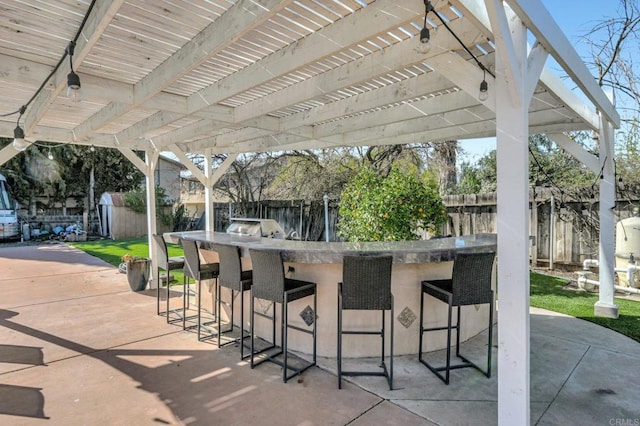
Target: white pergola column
208, 191
605, 306
151, 161
148, 168
513, 223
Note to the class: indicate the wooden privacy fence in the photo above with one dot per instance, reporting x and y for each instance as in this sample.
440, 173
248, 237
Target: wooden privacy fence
561, 233
572, 238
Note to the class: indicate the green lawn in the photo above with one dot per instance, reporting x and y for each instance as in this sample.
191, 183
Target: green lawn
549, 293
111, 251
546, 292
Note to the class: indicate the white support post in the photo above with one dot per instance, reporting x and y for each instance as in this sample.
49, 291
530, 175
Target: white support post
151, 160
605, 306
208, 191
513, 231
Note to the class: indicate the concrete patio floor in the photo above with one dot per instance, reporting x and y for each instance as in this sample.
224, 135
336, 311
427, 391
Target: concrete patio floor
78, 347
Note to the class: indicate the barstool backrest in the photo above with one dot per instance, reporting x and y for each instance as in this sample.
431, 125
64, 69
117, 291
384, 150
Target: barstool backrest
268, 275
163, 257
366, 282
191, 258
230, 266
471, 279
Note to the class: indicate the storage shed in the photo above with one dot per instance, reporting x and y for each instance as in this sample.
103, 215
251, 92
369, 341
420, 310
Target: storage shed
118, 222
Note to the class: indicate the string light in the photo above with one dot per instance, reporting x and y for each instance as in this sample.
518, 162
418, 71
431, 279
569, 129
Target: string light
483, 94
73, 84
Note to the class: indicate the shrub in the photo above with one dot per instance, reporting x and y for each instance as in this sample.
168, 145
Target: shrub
395, 208
136, 200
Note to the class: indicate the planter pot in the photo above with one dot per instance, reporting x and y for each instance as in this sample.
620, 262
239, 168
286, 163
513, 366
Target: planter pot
138, 273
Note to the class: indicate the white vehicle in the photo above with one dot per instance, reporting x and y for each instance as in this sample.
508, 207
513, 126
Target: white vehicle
9, 227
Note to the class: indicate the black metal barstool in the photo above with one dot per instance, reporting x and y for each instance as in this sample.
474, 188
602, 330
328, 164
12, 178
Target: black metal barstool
167, 264
234, 278
470, 284
366, 285
198, 271
270, 283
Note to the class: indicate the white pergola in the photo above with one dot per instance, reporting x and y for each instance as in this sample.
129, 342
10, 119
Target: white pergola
222, 76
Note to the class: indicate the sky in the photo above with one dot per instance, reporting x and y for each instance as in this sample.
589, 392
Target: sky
575, 17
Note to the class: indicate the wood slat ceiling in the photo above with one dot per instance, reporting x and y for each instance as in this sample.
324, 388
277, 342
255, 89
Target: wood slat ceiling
240, 76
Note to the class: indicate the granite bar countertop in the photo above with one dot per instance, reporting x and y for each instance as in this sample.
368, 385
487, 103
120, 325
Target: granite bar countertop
422, 251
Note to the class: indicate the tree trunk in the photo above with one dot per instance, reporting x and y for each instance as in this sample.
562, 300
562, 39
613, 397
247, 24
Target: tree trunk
445, 156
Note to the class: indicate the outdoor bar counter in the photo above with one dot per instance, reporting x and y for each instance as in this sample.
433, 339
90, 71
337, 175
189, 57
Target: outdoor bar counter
321, 262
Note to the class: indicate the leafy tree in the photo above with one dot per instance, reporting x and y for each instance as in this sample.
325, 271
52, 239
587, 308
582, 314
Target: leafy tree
32, 174
396, 207
136, 200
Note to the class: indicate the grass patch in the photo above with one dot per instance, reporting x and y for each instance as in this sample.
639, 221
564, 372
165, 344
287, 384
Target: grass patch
549, 293
111, 251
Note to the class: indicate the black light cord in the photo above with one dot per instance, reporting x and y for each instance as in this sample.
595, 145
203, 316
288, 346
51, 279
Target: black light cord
23, 108
429, 7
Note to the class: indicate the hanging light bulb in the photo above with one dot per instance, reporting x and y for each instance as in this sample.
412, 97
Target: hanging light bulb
425, 43
50, 155
483, 95
18, 139
74, 89
18, 134
425, 36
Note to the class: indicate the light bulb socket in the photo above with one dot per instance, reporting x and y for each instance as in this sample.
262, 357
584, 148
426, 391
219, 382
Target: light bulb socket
424, 35
73, 81
18, 133
484, 86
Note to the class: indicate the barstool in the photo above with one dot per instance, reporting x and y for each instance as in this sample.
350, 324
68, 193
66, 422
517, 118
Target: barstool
167, 264
198, 271
470, 284
366, 285
269, 283
234, 278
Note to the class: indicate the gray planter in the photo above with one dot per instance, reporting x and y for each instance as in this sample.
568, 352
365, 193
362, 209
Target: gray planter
138, 273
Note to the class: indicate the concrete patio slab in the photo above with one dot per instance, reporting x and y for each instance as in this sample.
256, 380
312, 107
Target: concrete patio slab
78, 347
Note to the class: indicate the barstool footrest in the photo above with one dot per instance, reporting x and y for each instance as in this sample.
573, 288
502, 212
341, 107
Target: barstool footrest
272, 358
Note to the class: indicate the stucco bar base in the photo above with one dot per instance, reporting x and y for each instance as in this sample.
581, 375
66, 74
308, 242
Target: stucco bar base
406, 280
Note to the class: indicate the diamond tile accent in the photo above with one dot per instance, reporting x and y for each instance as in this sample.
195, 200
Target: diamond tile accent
407, 317
308, 316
